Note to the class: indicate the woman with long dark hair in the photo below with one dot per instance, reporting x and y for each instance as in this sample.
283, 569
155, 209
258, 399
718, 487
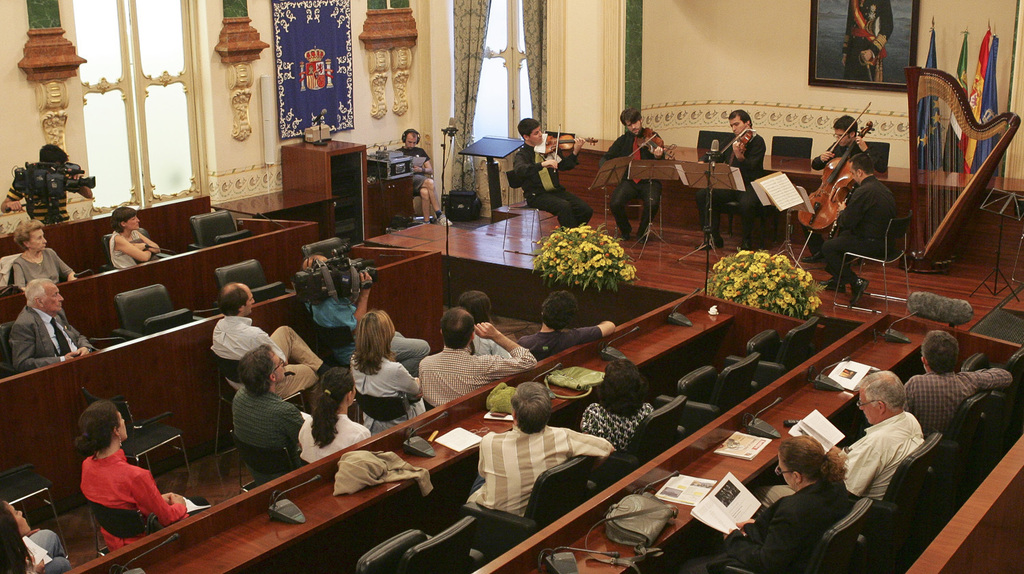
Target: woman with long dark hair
479, 306
24, 550
620, 404
108, 479
376, 373
330, 429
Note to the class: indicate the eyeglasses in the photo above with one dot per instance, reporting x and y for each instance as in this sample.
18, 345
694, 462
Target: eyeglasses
780, 472
862, 403
279, 364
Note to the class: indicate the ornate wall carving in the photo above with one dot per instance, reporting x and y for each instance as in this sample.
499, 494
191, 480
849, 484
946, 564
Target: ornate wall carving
239, 45
245, 182
389, 36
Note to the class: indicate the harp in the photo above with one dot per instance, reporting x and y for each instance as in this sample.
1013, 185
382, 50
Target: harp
945, 199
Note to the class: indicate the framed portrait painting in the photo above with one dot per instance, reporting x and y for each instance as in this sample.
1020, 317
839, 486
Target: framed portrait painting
862, 44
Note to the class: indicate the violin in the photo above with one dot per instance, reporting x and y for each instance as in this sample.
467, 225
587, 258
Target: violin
562, 143
742, 140
836, 183
652, 141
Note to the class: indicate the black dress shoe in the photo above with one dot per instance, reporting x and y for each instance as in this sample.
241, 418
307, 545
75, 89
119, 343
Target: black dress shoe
626, 236
815, 258
718, 241
857, 289
745, 246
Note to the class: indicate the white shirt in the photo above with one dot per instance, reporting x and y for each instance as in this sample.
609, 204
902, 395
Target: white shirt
871, 461
235, 336
349, 433
53, 336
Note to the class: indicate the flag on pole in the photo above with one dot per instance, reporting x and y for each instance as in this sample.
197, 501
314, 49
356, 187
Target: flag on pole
975, 98
929, 130
953, 158
989, 105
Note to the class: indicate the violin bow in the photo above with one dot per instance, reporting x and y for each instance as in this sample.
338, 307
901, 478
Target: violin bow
856, 121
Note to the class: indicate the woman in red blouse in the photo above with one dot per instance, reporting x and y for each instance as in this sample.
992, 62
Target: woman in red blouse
109, 480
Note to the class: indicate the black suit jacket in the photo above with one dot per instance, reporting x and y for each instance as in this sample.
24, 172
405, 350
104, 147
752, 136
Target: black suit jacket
31, 345
783, 537
528, 170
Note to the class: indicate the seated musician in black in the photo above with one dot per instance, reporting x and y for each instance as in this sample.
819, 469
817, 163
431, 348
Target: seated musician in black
749, 158
648, 190
846, 134
863, 220
539, 174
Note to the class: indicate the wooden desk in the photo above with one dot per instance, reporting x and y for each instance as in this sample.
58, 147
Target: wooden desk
237, 535
296, 205
695, 457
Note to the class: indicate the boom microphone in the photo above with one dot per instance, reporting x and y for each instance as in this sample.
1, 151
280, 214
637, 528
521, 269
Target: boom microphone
938, 308
124, 569
284, 510
758, 427
610, 353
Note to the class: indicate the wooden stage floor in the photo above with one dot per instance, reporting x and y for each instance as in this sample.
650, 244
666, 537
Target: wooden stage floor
658, 266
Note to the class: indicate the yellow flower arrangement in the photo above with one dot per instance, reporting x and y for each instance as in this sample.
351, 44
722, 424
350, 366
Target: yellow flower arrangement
765, 281
583, 256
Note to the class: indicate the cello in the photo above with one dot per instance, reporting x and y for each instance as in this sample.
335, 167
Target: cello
836, 182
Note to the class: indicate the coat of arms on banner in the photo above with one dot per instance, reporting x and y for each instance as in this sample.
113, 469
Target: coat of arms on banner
313, 45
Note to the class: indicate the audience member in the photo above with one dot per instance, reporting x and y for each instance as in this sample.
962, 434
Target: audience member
129, 246
557, 312
330, 429
783, 537
935, 396
108, 479
479, 306
235, 335
37, 261
510, 462
20, 546
620, 405
334, 313
41, 334
261, 417
455, 371
44, 211
376, 373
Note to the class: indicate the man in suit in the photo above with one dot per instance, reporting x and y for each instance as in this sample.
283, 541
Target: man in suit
539, 174
42, 335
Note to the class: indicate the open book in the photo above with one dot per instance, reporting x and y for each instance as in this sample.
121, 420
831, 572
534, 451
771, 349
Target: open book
729, 503
820, 428
776, 189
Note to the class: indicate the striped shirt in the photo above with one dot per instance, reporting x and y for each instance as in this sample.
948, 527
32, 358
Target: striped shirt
452, 373
510, 463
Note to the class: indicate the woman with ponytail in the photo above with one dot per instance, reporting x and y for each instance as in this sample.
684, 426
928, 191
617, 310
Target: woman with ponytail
330, 429
376, 373
783, 536
108, 479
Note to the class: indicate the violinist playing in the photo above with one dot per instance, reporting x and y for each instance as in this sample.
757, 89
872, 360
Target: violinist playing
749, 158
641, 143
539, 175
863, 222
846, 134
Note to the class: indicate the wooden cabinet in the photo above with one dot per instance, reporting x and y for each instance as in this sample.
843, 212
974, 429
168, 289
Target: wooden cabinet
386, 198
336, 171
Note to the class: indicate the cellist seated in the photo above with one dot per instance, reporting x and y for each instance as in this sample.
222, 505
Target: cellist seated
846, 134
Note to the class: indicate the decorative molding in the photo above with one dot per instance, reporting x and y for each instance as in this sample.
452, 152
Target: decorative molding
245, 182
389, 36
52, 98
49, 56
240, 82
239, 45
893, 126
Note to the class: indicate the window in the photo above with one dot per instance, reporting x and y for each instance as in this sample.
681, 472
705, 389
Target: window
504, 72
140, 99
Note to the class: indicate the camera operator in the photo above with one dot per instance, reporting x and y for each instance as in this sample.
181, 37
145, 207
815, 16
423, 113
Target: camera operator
341, 312
41, 210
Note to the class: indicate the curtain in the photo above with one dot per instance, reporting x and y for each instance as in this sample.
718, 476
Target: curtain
470, 18
534, 13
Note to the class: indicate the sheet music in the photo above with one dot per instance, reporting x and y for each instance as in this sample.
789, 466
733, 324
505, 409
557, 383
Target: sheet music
682, 174
737, 179
777, 189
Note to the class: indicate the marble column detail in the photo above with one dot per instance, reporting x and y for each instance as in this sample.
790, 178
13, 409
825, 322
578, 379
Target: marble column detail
239, 45
389, 36
49, 60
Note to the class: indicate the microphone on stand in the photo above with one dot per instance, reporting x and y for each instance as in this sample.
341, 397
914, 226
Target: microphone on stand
713, 154
823, 382
547, 372
678, 318
610, 353
124, 569
653, 482
893, 336
416, 445
938, 308
451, 130
758, 427
284, 510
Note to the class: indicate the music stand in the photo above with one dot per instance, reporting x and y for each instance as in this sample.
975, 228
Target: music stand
493, 148
1007, 205
712, 176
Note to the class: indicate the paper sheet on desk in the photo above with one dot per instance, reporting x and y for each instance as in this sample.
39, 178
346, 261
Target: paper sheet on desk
850, 373
458, 439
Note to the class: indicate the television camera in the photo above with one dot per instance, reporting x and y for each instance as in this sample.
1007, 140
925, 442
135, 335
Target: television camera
336, 277
48, 184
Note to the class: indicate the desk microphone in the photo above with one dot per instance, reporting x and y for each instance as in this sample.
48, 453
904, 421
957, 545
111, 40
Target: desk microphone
124, 569
758, 427
83, 273
546, 373
274, 221
284, 510
416, 445
678, 318
674, 474
893, 336
610, 353
823, 382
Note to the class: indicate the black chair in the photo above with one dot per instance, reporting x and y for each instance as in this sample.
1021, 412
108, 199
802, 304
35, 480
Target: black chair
892, 520
148, 310
121, 522
987, 447
227, 386
779, 355
384, 557
789, 146
841, 548
6, 356
214, 228
556, 491
265, 464
1014, 404
450, 552
382, 409
880, 154
249, 273
326, 247
658, 431
21, 483
705, 137
975, 362
711, 393
146, 435
895, 252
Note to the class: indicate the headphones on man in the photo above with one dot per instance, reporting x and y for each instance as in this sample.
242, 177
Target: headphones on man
406, 133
